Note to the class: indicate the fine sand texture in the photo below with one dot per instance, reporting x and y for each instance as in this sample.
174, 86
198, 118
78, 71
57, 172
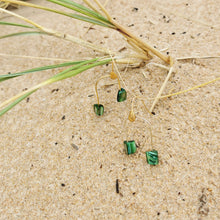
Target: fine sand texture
61, 161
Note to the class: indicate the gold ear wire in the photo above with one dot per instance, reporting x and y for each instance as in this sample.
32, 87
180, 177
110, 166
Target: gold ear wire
96, 85
151, 155
122, 94
131, 116
151, 134
130, 145
113, 75
148, 111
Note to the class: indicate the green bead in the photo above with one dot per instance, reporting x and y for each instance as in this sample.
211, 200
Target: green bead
99, 109
130, 147
152, 157
122, 95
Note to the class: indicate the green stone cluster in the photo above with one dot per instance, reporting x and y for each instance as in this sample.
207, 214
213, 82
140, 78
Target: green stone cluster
130, 147
152, 157
122, 95
98, 109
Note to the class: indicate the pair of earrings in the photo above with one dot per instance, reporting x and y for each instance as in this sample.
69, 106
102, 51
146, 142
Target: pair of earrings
121, 96
131, 148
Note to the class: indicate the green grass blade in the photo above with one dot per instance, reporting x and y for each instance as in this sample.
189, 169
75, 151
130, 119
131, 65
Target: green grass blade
78, 70
70, 6
15, 24
9, 76
75, 67
70, 72
93, 18
90, 20
3, 111
21, 34
81, 9
75, 16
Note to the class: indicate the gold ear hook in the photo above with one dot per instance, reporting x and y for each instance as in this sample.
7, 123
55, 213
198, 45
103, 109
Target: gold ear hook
130, 145
96, 85
131, 116
151, 134
113, 75
151, 155
122, 94
145, 107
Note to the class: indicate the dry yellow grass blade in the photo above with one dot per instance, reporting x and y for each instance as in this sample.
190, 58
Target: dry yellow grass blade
9, 5
190, 89
138, 41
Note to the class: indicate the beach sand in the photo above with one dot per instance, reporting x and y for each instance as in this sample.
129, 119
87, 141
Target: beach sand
45, 176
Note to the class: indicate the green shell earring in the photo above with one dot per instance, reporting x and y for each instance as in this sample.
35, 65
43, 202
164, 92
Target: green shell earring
130, 147
152, 157
98, 109
122, 95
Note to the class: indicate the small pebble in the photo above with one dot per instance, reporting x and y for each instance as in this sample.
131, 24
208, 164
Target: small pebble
135, 9
63, 117
117, 186
75, 146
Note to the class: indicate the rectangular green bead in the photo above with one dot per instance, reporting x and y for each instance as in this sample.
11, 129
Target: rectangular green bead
122, 95
130, 147
152, 157
98, 109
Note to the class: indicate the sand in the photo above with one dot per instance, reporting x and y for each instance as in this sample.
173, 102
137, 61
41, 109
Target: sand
43, 174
